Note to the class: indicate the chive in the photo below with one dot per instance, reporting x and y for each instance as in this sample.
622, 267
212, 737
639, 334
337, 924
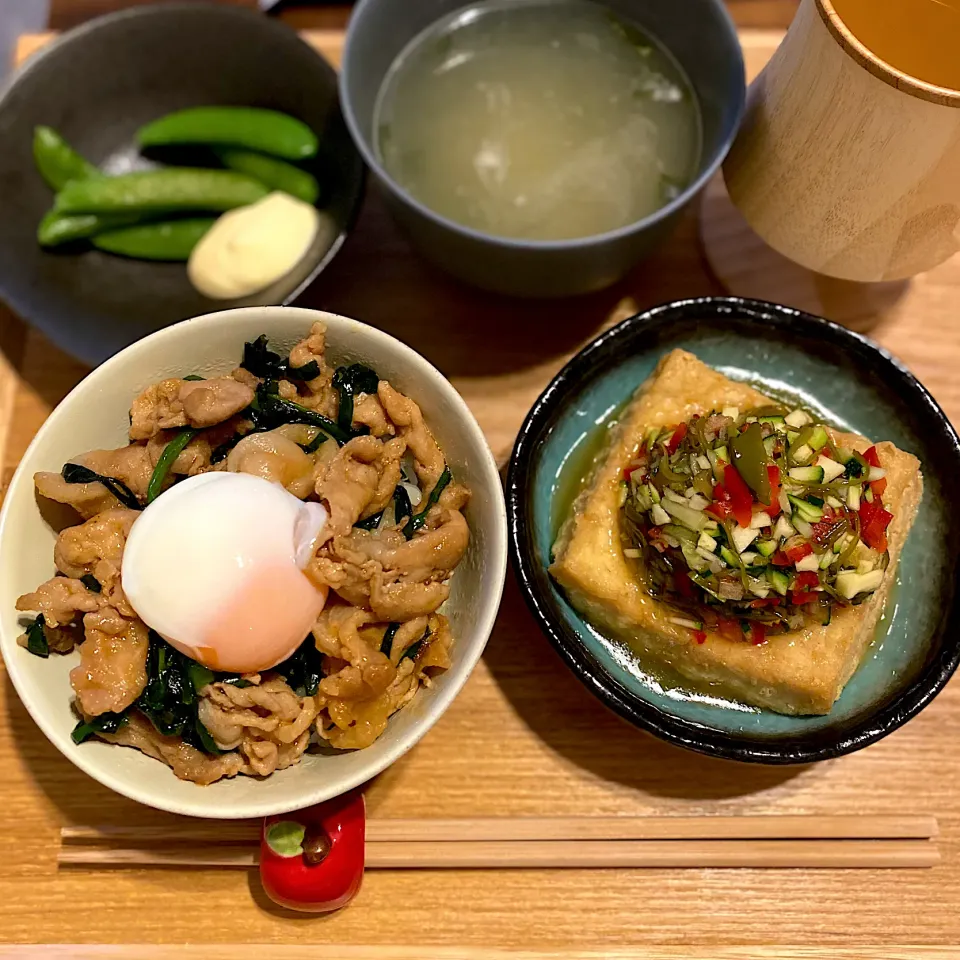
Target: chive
418, 519
91, 582
387, 642
37, 639
194, 376
76, 473
170, 453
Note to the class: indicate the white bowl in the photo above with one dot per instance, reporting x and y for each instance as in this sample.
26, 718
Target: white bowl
94, 415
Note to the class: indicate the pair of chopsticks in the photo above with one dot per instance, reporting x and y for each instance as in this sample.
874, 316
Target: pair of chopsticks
544, 843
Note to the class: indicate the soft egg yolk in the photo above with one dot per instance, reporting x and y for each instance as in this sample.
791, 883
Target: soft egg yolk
215, 566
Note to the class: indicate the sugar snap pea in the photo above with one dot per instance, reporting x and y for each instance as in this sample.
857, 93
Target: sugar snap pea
256, 129
56, 228
276, 174
57, 161
174, 188
168, 240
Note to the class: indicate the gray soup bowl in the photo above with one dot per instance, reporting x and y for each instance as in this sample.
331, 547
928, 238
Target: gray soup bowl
702, 39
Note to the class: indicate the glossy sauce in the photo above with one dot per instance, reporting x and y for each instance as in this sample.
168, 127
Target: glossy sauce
574, 476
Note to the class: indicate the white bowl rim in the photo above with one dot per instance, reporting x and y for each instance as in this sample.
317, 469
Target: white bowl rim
497, 540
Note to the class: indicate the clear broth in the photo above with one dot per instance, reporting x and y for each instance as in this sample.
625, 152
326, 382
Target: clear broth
538, 120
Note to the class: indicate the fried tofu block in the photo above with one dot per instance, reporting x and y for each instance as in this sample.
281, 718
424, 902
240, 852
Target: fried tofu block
802, 672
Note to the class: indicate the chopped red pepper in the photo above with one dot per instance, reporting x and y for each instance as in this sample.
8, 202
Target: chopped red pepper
312, 860
758, 634
741, 500
798, 551
729, 629
801, 597
780, 559
699, 636
773, 475
677, 438
874, 521
765, 602
721, 507
873, 458
627, 472
806, 580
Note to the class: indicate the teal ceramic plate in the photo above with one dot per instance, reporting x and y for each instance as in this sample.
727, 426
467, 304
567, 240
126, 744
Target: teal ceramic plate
855, 385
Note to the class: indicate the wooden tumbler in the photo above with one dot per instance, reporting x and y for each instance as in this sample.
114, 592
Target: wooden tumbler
844, 164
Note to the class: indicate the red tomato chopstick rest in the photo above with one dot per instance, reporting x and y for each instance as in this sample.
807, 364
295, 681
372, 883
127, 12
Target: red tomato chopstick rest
312, 860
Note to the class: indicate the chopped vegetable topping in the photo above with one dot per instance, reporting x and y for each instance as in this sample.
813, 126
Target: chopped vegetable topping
754, 524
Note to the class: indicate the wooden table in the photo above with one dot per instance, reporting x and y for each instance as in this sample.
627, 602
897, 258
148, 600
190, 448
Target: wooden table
524, 737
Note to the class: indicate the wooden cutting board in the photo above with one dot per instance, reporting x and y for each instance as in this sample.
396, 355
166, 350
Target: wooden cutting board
524, 737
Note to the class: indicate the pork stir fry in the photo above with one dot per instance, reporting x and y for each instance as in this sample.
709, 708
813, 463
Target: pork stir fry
394, 535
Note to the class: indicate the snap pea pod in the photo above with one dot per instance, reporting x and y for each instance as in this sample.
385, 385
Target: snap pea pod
276, 174
256, 129
157, 191
166, 240
56, 228
57, 161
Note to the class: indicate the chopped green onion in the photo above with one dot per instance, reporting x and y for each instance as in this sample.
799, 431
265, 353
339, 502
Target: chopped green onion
170, 453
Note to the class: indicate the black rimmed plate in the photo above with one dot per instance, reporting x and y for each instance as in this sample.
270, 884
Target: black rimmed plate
97, 85
854, 384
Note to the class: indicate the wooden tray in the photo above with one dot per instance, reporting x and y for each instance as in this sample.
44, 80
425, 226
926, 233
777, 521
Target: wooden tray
524, 737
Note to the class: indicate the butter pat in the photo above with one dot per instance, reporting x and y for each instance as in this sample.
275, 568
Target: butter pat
249, 248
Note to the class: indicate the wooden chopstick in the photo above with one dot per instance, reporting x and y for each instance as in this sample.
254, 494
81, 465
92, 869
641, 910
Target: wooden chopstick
550, 854
544, 843
842, 827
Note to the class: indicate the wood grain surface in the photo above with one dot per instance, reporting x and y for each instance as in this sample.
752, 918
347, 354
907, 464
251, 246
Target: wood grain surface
842, 173
524, 738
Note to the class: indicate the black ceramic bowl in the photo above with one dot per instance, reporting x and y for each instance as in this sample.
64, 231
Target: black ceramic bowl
854, 384
96, 85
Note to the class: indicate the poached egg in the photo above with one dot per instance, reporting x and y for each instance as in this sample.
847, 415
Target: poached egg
215, 566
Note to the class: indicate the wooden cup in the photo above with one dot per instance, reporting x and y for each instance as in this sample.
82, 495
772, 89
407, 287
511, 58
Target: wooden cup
843, 164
